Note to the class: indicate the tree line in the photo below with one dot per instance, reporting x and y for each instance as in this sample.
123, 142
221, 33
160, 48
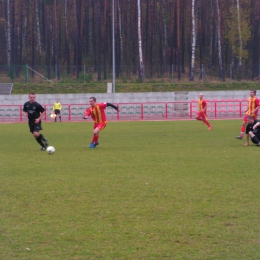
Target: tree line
154, 34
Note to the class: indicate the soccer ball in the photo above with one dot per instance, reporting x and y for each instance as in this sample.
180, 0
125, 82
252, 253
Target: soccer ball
50, 150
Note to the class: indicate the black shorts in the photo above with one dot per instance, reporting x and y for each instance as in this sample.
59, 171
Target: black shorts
35, 127
57, 112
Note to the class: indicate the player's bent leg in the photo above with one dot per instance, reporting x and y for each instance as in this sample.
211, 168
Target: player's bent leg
39, 140
94, 138
254, 138
36, 134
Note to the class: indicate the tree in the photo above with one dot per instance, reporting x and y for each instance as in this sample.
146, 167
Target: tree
38, 27
237, 33
219, 36
8, 31
255, 40
193, 41
149, 34
141, 65
178, 41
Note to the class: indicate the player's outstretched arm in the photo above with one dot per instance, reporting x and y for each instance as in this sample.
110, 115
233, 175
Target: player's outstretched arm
112, 105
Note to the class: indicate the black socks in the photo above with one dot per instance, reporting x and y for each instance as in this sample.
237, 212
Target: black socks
39, 141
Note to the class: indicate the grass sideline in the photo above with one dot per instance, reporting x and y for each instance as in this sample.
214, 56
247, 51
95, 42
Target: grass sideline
150, 190
101, 87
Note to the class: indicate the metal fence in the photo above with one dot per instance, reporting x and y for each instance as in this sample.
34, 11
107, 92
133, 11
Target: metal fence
137, 111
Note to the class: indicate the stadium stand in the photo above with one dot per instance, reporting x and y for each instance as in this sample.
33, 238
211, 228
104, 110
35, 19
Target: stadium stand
6, 88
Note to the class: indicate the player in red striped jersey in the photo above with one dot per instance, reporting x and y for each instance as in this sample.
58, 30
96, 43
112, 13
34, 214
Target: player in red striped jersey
202, 113
252, 110
97, 113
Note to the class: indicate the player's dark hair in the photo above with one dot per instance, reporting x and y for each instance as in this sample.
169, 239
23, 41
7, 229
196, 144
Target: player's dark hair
93, 98
253, 91
32, 93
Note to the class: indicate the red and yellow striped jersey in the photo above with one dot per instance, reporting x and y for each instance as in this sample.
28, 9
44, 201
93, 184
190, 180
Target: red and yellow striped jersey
202, 104
97, 113
253, 103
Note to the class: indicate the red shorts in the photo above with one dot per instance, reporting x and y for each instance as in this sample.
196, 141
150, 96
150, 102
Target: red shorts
202, 115
245, 118
101, 126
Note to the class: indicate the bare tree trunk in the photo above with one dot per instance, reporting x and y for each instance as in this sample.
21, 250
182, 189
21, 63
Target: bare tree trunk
24, 31
33, 45
67, 29
120, 32
255, 58
193, 40
141, 65
90, 30
239, 36
98, 19
221, 67
212, 35
165, 35
8, 33
178, 40
56, 40
149, 35
78, 42
105, 36
232, 62
39, 48
15, 36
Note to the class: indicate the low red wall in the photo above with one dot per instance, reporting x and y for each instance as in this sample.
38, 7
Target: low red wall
138, 111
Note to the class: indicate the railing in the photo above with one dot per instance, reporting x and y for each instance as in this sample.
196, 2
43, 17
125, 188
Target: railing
137, 111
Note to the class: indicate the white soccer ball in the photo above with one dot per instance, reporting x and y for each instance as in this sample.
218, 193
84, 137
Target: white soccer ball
50, 150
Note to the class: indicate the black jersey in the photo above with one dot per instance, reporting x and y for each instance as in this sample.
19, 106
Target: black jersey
34, 110
249, 127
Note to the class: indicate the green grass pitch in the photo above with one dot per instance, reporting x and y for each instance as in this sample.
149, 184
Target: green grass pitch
150, 190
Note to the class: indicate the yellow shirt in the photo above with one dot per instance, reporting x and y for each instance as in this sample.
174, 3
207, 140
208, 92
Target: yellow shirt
57, 105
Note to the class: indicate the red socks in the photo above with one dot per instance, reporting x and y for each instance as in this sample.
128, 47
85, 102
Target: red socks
243, 128
94, 139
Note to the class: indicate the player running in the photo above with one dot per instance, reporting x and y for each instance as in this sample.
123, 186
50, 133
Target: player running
97, 113
34, 111
202, 113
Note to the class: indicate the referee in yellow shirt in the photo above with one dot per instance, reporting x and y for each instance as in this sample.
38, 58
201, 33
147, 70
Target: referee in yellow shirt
57, 109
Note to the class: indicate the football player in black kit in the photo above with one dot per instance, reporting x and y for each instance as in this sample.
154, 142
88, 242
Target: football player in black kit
34, 111
253, 131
